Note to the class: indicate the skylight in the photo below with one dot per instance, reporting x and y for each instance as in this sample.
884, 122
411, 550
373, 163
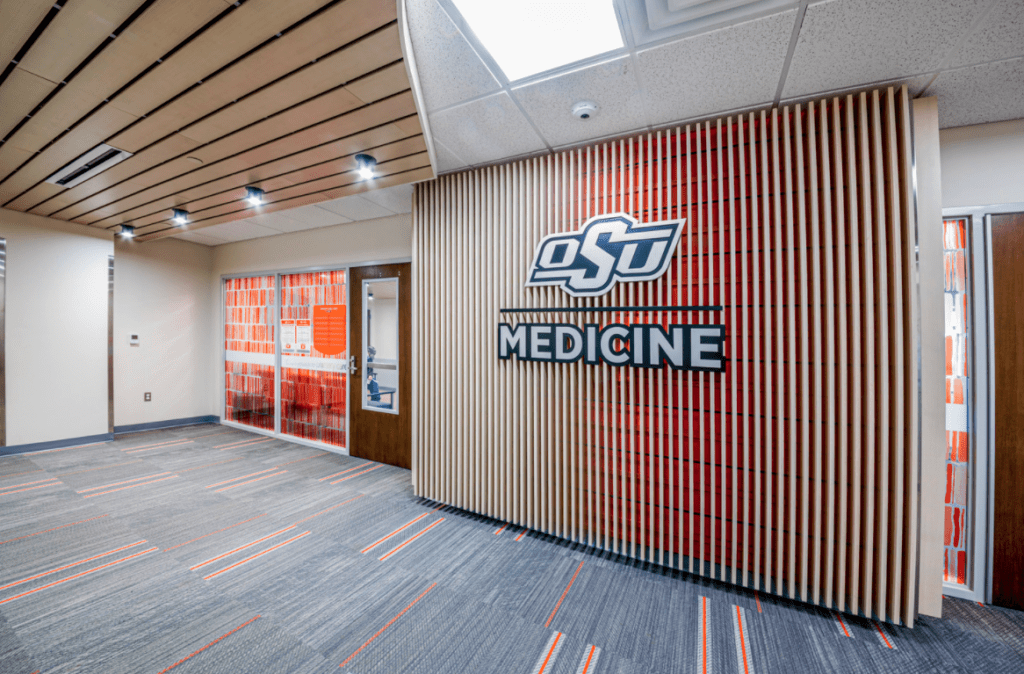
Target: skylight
527, 37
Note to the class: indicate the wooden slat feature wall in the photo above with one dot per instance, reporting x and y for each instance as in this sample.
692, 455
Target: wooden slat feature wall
795, 471
209, 96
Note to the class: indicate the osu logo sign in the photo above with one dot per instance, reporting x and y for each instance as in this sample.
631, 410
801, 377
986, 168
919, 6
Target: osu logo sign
606, 249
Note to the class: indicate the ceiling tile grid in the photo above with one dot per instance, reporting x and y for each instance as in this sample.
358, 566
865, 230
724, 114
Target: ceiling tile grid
486, 130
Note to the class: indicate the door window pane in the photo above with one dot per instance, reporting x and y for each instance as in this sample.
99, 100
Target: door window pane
314, 354
380, 345
249, 344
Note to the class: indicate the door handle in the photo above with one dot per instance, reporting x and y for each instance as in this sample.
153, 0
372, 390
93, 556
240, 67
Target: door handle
353, 366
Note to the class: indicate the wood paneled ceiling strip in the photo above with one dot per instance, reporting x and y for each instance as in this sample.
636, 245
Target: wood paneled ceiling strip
226, 97
415, 175
397, 157
242, 29
19, 20
129, 53
20, 93
197, 198
392, 108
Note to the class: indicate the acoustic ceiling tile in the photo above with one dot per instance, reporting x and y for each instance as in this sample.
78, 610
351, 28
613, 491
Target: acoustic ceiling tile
238, 230
450, 70
486, 130
611, 85
736, 67
844, 43
397, 199
993, 92
355, 207
201, 237
997, 38
447, 162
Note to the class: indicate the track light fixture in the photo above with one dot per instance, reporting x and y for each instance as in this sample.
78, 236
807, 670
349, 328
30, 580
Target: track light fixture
365, 163
127, 231
254, 196
180, 217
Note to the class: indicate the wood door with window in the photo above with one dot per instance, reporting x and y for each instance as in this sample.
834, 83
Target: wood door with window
1008, 323
380, 399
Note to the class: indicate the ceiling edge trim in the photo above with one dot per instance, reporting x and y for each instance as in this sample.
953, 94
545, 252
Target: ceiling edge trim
414, 81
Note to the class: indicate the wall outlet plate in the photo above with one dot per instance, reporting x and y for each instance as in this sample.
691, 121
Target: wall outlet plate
147, 397
133, 339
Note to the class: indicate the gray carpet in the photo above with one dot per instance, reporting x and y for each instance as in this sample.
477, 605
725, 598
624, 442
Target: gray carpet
207, 549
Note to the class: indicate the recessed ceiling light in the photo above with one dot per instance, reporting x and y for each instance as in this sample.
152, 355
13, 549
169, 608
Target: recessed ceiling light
254, 196
365, 163
127, 231
527, 38
180, 217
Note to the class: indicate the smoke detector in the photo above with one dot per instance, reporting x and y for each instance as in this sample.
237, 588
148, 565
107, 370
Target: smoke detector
584, 110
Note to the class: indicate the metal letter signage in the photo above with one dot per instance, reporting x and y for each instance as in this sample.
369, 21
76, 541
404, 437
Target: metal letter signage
608, 248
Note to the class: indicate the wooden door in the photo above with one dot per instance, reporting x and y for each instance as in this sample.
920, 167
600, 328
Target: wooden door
381, 410
1008, 320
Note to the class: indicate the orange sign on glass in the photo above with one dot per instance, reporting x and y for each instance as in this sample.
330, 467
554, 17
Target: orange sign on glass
329, 329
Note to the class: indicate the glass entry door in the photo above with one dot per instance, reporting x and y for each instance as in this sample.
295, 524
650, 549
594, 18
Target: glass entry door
286, 369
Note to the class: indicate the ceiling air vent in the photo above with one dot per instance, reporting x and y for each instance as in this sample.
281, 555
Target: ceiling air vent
96, 160
664, 13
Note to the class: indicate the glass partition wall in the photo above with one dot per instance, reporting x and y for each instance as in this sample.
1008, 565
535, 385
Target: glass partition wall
286, 370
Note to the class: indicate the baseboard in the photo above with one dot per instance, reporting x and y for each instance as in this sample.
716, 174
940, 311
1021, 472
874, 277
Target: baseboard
169, 423
56, 444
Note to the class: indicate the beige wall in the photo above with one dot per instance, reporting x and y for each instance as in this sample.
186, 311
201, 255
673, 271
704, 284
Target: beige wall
162, 294
56, 328
983, 164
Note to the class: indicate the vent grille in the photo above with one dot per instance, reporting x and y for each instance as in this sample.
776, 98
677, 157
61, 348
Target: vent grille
95, 161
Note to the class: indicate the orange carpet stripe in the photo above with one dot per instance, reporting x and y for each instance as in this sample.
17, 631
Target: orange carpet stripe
401, 528
131, 486
11, 540
134, 479
547, 658
68, 566
199, 437
79, 575
155, 444
150, 449
842, 624
18, 491
89, 470
564, 593
64, 449
247, 545
883, 635
27, 472
410, 540
590, 657
258, 554
26, 484
215, 641
215, 463
326, 510
347, 470
704, 633
249, 444
521, 534
240, 442
214, 532
501, 529
743, 642
315, 456
240, 477
757, 598
379, 465
390, 623
251, 481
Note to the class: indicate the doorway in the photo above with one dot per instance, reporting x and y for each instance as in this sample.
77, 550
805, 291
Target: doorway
1007, 232
380, 398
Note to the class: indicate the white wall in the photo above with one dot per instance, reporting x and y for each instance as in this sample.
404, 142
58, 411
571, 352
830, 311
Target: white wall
56, 328
983, 164
162, 293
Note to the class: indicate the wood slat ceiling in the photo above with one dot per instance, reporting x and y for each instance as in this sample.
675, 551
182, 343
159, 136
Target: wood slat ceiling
210, 96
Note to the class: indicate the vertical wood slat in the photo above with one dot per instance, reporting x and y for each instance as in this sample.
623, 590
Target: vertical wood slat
769, 475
